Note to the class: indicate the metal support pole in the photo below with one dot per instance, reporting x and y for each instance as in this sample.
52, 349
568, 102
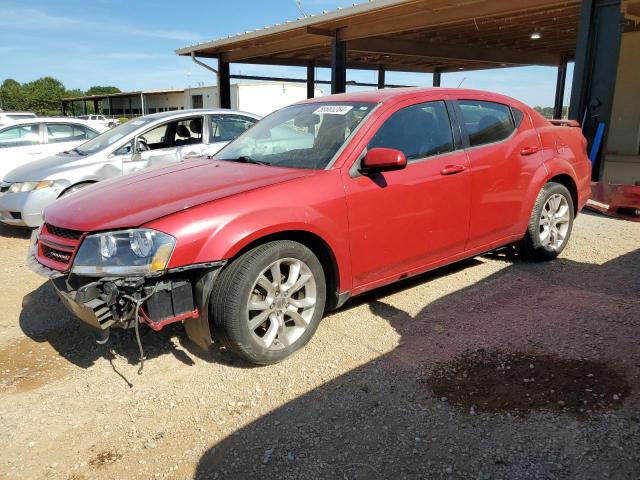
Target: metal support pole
63, 107
84, 106
594, 74
130, 107
311, 79
224, 86
142, 103
560, 84
381, 76
437, 78
338, 66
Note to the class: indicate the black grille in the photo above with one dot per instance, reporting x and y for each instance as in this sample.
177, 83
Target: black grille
64, 232
4, 189
56, 255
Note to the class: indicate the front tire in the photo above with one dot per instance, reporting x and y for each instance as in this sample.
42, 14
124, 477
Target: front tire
550, 224
268, 302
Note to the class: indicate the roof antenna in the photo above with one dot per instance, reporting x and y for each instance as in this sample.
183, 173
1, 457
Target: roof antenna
461, 82
299, 5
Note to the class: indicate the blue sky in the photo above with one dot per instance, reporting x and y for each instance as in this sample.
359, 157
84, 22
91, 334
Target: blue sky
130, 44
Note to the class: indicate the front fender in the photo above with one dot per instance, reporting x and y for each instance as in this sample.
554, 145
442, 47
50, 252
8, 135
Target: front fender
219, 230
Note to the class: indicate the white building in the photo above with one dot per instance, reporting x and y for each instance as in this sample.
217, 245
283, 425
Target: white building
259, 98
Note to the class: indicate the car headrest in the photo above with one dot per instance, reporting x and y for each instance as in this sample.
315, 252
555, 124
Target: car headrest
196, 126
183, 131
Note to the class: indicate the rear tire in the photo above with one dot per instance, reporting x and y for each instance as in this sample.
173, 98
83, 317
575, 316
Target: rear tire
550, 224
268, 302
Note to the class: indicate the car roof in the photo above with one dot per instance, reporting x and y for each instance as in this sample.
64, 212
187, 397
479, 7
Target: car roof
18, 113
397, 94
201, 111
29, 121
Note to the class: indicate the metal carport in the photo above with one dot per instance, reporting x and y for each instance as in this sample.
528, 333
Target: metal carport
440, 36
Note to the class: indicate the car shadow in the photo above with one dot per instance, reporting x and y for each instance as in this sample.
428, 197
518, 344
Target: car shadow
9, 231
45, 319
515, 376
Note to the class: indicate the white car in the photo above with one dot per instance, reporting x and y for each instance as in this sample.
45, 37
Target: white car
10, 117
100, 120
149, 141
24, 141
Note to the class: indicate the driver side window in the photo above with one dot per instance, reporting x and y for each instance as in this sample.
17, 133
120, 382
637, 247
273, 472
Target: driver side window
155, 137
418, 131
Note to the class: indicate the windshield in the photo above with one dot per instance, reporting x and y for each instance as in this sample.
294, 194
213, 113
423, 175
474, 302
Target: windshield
299, 136
109, 137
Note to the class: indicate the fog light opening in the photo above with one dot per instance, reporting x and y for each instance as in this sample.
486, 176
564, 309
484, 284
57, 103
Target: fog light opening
102, 336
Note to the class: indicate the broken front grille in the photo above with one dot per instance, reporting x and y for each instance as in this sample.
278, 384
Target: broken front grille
64, 232
56, 255
57, 246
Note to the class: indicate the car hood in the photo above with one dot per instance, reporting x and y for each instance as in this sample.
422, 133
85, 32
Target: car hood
139, 198
49, 168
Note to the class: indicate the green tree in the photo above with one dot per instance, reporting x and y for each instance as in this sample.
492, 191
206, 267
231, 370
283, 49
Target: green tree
12, 96
100, 90
44, 95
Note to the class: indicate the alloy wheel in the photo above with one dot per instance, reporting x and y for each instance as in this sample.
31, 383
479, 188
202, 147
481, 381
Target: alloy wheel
281, 303
554, 222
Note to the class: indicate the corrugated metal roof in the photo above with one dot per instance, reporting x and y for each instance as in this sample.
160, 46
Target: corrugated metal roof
308, 21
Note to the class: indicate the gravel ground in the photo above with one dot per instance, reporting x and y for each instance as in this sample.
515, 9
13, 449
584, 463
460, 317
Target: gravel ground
493, 368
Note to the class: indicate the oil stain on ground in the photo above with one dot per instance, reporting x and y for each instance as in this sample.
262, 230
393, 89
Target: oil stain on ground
495, 381
26, 365
106, 457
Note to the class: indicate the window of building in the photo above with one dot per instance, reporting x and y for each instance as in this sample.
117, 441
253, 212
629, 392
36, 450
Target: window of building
196, 101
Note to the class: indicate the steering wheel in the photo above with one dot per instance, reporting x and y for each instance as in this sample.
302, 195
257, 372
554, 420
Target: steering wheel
142, 144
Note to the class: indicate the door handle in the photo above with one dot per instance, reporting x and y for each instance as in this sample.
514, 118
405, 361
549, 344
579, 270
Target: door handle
529, 150
451, 169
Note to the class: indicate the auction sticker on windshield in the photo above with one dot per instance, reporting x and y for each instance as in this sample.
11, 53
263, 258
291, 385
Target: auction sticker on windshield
334, 109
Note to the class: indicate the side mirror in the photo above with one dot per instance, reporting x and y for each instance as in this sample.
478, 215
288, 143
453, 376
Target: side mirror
382, 160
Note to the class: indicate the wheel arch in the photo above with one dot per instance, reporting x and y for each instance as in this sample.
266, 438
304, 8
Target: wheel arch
318, 246
567, 181
83, 182
547, 172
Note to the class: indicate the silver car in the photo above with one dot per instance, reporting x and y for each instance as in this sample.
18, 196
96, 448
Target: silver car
148, 141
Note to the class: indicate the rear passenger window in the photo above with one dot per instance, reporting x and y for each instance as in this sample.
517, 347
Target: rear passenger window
63, 132
418, 131
517, 116
486, 122
20, 136
225, 128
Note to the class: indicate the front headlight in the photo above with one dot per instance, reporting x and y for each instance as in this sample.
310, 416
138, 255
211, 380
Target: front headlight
30, 186
125, 252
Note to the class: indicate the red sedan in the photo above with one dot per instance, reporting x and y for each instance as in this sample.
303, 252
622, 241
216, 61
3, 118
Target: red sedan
320, 201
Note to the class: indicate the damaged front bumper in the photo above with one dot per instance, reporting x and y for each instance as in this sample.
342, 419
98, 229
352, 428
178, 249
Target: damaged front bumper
180, 295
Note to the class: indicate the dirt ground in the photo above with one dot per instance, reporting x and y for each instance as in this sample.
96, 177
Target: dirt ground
493, 368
